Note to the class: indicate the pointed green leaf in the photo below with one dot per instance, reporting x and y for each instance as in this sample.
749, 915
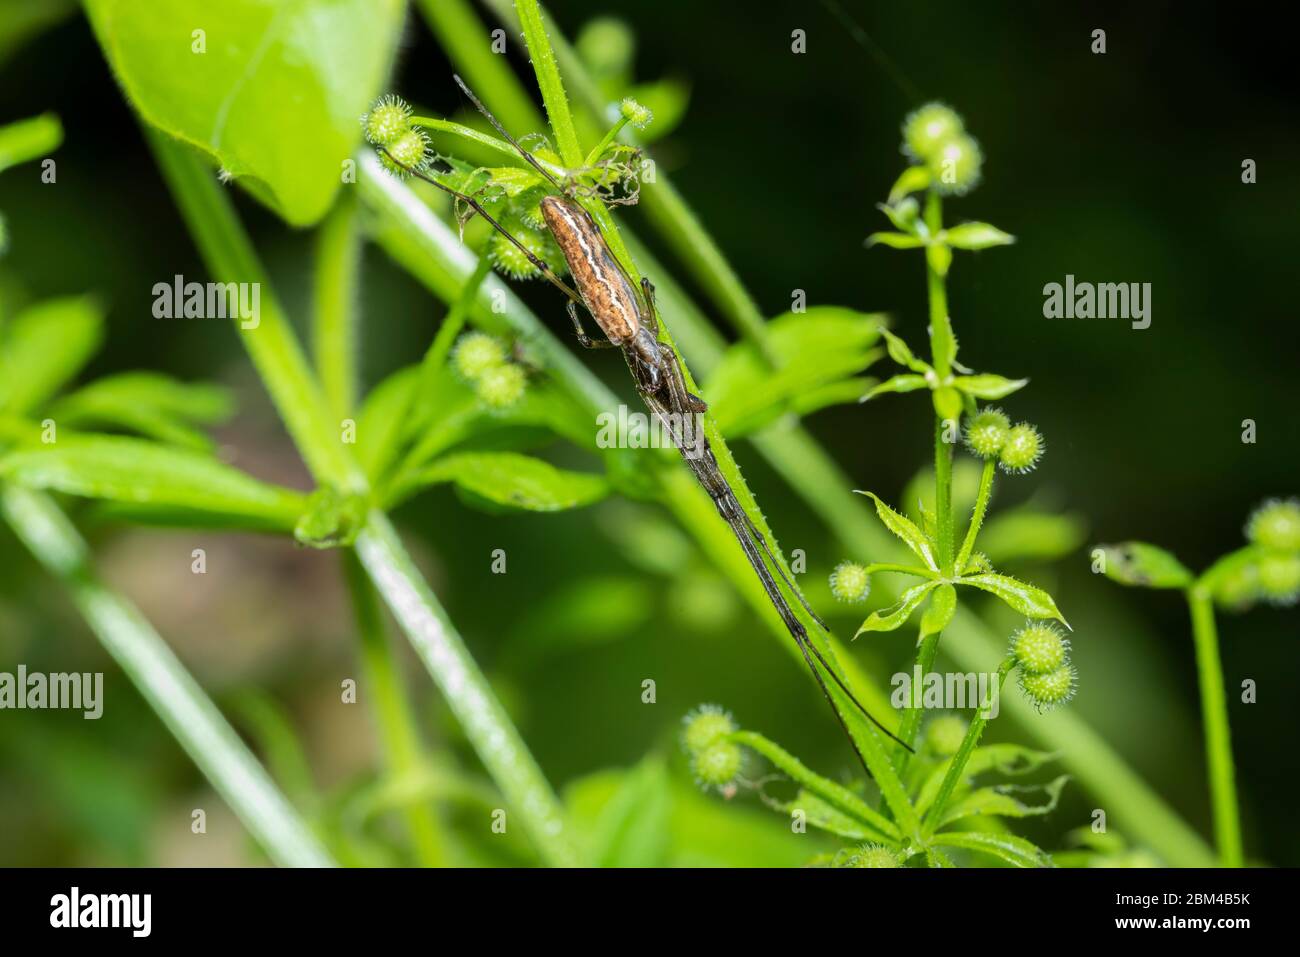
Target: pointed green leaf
146, 475
888, 619
894, 240
1007, 759
29, 139
913, 180
901, 353
1147, 566
1024, 598
989, 386
905, 529
999, 801
902, 214
835, 795
154, 405
1007, 847
943, 604
517, 481
907, 382
977, 236
826, 817
382, 420
44, 348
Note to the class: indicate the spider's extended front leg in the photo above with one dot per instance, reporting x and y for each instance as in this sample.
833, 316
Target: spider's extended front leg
585, 340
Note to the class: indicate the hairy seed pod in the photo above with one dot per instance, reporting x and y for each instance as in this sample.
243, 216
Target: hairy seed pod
1039, 647
850, 582
1276, 525
501, 387
926, 130
1022, 450
705, 726
987, 432
1050, 689
476, 353
718, 765
387, 120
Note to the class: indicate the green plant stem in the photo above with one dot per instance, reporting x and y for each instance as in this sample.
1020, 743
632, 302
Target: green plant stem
436, 356
466, 691
957, 764
542, 55
384, 691
977, 515
1214, 716
271, 343
229, 255
164, 683
937, 293
609, 138
911, 723
335, 303
943, 497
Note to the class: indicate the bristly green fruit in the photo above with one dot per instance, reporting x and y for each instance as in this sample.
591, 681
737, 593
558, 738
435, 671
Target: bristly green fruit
1276, 525
1279, 578
706, 726
957, 166
386, 121
870, 855
1022, 449
501, 387
926, 130
1039, 648
636, 114
850, 582
987, 432
477, 353
1049, 690
406, 154
718, 765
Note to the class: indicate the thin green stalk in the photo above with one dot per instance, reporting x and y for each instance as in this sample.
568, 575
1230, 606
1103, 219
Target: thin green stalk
977, 516
466, 691
162, 680
271, 342
1214, 716
957, 764
911, 722
436, 356
542, 55
943, 497
940, 326
229, 255
386, 694
335, 304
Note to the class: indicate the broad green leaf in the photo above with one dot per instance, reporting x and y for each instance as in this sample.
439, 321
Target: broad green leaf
1148, 566
907, 382
895, 240
817, 348
44, 348
331, 519
1024, 598
895, 616
154, 405
999, 801
1007, 847
976, 236
29, 139
905, 529
1023, 533
835, 795
275, 94
913, 180
517, 481
146, 475
632, 829
988, 386
937, 615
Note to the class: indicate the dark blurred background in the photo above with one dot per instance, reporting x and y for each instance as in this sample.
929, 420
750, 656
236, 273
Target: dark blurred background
1122, 167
